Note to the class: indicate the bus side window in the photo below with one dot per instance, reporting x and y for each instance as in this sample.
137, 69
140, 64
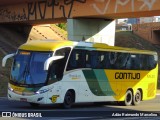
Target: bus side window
144, 62
94, 59
106, 62
129, 64
88, 59
101, 60
80, 60
77, 60
112, 59
121, 61
151, 62
135, 62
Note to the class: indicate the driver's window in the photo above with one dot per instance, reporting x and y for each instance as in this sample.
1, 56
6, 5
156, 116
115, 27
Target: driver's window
63, 52
62, 62
57, 67
52, 72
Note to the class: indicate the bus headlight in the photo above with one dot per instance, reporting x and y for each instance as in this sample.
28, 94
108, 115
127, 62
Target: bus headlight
42, 91
10, 89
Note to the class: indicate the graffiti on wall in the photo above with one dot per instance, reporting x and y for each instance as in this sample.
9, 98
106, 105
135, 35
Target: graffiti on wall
71, 3
104, 10
13, 16
121, 3
38, 10
39, 7
147, 3
43, 9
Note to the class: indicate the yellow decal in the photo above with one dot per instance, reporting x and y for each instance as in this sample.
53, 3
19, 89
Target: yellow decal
75, 77
151, 89
24, 53
16, 88
54, 98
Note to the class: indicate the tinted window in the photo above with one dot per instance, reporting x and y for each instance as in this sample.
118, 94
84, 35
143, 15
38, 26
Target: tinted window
111, 60
77, 60
63, 52
57, 67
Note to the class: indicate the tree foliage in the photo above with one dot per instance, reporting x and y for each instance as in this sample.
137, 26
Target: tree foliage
62, 26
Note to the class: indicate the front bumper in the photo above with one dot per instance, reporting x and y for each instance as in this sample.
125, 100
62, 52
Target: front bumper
36, 98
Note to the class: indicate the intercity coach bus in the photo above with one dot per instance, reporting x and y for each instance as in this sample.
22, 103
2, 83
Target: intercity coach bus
67, 72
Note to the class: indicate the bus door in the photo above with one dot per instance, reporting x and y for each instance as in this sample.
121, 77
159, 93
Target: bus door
55, 74
56, 70
76, 68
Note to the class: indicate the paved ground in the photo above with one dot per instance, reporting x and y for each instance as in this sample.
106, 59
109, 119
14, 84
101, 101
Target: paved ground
146, 110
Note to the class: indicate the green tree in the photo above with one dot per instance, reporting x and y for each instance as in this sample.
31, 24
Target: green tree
62, 26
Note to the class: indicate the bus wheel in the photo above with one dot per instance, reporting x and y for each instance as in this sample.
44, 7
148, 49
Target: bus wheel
128, 98
68, 99
35, 105
137, 98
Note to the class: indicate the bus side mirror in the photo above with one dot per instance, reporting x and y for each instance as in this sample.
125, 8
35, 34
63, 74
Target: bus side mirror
49, 60
4, 60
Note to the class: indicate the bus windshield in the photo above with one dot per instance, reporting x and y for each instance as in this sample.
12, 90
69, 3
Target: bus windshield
28, 68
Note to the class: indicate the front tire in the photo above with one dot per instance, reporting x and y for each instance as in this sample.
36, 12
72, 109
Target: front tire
137, 98
68, 100
128, 98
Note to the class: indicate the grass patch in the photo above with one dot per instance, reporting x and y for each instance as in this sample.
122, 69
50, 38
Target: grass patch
63, 32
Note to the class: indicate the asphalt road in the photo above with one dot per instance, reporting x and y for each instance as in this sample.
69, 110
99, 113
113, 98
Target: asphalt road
145, 110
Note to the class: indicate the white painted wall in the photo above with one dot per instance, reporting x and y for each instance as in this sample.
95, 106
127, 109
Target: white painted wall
92, 30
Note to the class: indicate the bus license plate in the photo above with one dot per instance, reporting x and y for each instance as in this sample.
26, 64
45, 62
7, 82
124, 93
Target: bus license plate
23, 99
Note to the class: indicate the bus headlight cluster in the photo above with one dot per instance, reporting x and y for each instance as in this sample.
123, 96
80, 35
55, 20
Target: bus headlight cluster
42, 91
10, 89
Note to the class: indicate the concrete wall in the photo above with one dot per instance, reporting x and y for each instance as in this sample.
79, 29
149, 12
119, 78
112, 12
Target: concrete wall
92, 30
148, 31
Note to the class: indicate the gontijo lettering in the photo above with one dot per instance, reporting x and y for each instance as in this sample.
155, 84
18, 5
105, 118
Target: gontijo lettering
122, 75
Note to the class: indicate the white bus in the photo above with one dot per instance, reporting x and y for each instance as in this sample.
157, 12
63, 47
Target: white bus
50, 72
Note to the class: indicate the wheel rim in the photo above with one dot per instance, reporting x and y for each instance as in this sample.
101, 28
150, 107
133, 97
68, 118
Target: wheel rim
68, 99
137, 97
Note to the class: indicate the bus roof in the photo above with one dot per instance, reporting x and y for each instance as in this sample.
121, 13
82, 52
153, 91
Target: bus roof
52, 45
45, 45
